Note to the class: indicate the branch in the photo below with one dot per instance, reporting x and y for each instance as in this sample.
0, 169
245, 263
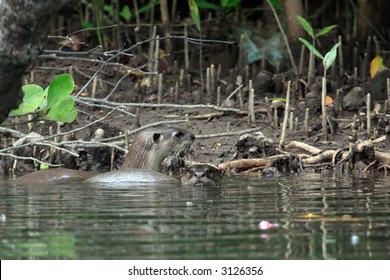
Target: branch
29, 158
227, 133
165, 105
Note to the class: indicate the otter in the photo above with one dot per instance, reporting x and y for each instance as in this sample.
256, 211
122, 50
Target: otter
152, 146
202, 175
55, 176
142, 163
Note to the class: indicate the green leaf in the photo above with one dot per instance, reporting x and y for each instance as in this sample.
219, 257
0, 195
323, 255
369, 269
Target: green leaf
63, 110
61, 86
147, 7
306, 25
107, 9
278, 99
207, 5
234, 3
33, 96
325, 30
330, 57
194, 13
43, 166
86, 25
70, 116
311, 48
126, 13
43, 104
229, 3
276, 4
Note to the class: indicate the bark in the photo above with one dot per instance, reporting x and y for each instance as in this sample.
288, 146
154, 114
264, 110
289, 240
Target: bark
294, 8
23, 30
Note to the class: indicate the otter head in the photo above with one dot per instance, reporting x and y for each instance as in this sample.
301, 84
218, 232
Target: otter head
202, 175
152, 146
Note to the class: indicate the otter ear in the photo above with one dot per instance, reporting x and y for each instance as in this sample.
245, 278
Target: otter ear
156, 137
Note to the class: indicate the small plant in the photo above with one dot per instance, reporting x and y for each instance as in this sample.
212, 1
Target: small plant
327, 61
329, 57
309, 29
53, 103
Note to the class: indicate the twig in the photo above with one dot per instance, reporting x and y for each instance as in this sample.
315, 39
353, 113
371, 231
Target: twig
233, 133
233, 92
29, 158
286, 115
368, 117
165, 105
117, 84
324, 118
105, 107
12, 132
82, 127
43, 141
86, 144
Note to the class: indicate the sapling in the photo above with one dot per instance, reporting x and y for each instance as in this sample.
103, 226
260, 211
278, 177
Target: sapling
309, 29
327, 62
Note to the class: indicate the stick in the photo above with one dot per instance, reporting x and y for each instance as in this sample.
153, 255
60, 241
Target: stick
285, 119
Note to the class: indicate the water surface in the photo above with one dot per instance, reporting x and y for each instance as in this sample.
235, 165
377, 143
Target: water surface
315, 216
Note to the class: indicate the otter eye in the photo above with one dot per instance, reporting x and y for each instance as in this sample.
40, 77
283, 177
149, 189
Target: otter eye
178, 134
156, 137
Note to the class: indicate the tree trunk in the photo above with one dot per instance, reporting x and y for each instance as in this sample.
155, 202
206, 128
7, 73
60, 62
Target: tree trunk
294, 8
23, 30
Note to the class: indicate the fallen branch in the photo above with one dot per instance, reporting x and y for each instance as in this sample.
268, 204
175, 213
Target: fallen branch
382, 157
303, 146
325, 156
244, 163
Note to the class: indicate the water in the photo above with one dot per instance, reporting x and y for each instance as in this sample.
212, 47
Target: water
175, 222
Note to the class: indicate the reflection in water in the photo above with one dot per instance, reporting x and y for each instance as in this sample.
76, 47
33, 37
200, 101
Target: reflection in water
319, 216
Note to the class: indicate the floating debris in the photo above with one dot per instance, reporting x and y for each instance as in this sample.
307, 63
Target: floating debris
265, 225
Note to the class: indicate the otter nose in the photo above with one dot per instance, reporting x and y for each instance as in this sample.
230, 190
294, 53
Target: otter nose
199, 174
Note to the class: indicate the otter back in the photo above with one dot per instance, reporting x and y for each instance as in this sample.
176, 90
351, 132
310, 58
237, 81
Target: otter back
132, 175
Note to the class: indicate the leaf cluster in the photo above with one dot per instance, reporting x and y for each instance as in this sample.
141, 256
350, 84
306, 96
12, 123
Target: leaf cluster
53, 103
330, 56
309, 29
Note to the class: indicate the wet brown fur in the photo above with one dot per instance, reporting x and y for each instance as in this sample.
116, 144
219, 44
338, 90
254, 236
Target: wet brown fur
152, 146
202, 175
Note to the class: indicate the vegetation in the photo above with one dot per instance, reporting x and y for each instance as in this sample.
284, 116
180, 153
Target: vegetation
327, 61
52, 103
309, 29
232, 55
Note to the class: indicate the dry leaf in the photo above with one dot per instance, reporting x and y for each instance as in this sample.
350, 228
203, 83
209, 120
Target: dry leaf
375, 64
73, 43
328, 100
